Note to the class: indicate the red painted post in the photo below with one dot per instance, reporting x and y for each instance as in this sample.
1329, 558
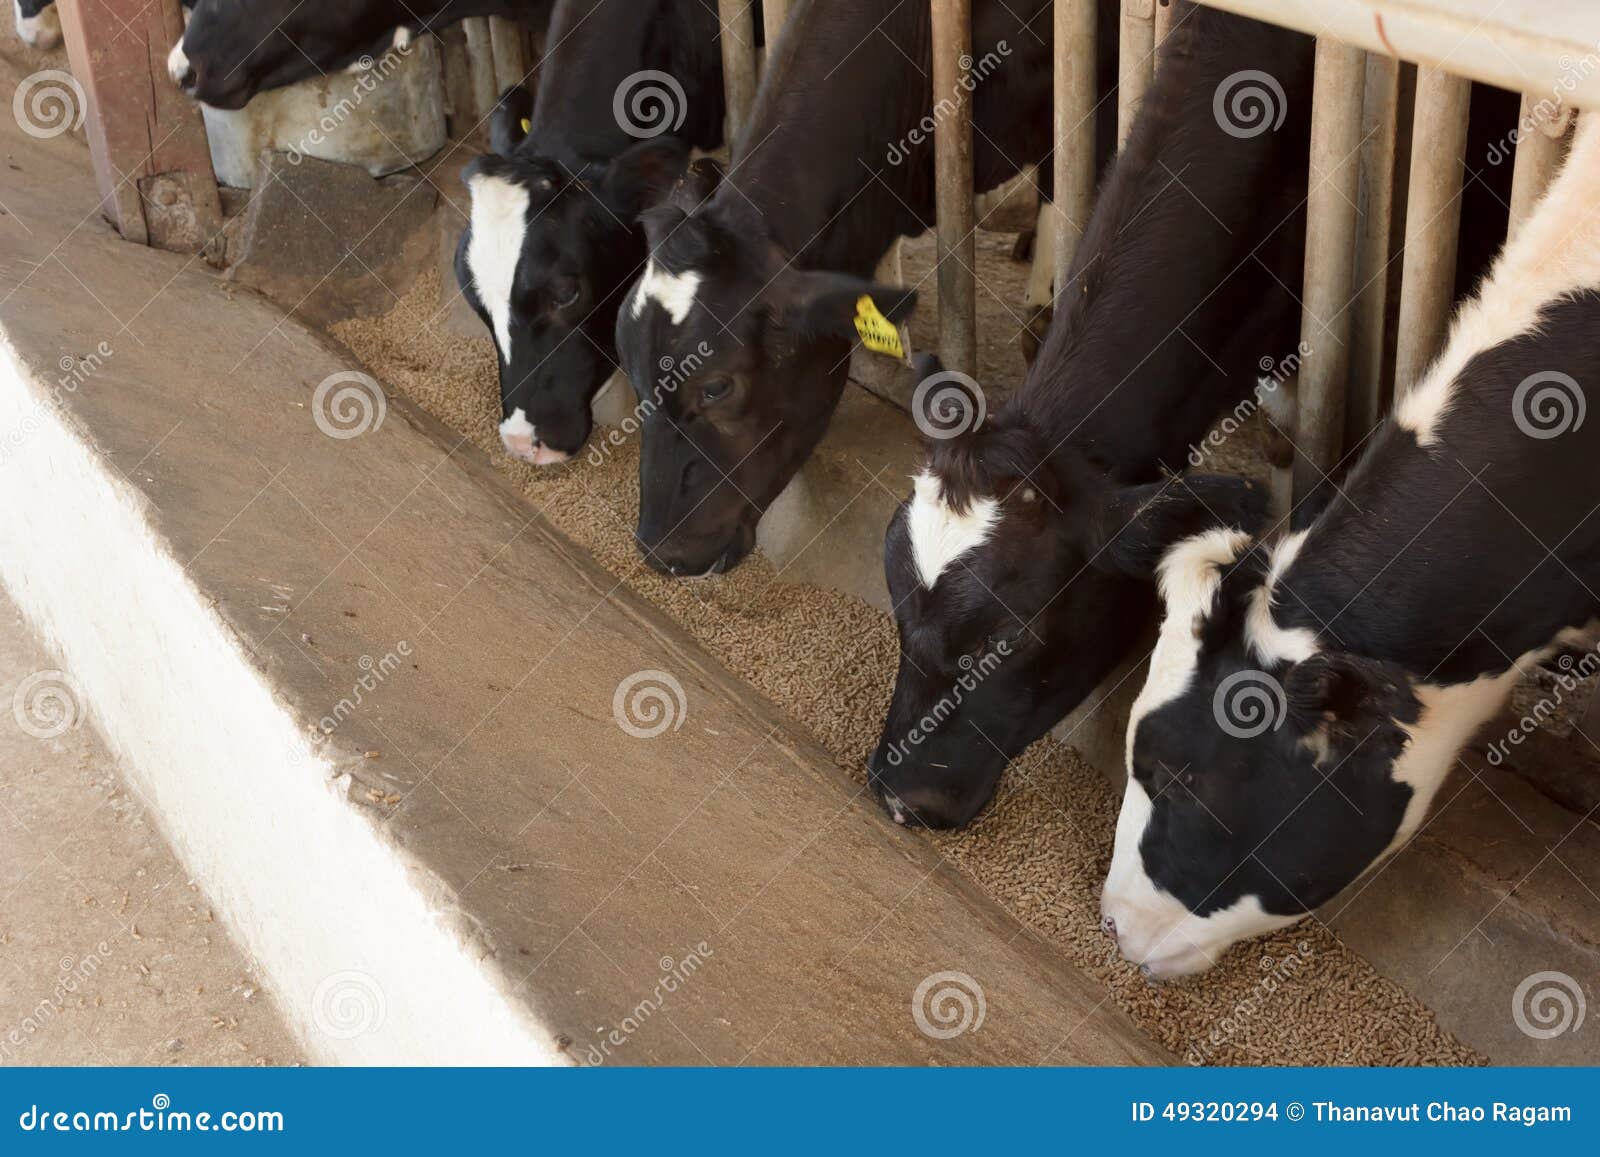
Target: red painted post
147, 140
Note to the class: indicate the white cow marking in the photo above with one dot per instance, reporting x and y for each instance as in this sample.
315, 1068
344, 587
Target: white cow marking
499, 224
940, 534
41, 31
673, 292
177, 64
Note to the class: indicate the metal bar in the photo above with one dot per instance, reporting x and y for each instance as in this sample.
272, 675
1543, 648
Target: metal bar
1527, 46
510, 65
1135, 61
1541, 128
957, 229
1074, 118
1433, 221
147, 142
1164, 17
773, 14
1380, 124
480, 51
738, 61
1330, 261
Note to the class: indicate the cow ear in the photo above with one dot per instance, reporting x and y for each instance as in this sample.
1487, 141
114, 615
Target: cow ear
1132, 527
1340, 700
826, 304
645, 173
511, 120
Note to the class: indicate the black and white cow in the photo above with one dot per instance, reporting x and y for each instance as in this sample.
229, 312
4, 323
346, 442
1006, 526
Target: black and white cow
1013, 567
233, 49
629, 87
748, 302
1306, 699
38, 23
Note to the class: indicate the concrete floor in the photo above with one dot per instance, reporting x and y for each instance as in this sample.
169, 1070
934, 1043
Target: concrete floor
109, 955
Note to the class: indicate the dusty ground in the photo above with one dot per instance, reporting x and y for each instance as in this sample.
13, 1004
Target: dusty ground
109, 954
1041, 851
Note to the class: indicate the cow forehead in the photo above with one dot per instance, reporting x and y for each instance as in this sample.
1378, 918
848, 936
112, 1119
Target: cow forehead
499, 227
673, 293
939, 533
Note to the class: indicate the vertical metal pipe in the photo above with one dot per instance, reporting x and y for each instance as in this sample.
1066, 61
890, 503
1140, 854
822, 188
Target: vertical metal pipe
510, 65
1541, 127
1074, 136
773, 14
1433, 221
1330, 260
738, 61
480, 51
1380, 123
1164, 17
957, 230
1135, 61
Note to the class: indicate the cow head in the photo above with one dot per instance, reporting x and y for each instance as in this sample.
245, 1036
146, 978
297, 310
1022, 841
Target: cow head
233, 49
738, 358
1018, 585
38, 23
1265, 774
544, 261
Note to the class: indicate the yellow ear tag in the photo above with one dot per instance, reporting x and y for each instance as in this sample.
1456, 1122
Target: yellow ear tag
527, 125
877, 332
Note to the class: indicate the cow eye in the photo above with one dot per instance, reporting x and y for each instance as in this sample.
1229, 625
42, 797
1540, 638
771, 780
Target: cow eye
715, 390
1008, 637
564, 292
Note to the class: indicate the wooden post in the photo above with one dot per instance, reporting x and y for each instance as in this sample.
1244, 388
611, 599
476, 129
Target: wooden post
1135, 61
1433, 221
773, 14
738, 62
1074, 120
1330, 260
1380, 124
146, 139
1164, 17
1540, 132
957, 232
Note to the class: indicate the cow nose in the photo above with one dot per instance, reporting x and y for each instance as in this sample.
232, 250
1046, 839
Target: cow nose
1108, 926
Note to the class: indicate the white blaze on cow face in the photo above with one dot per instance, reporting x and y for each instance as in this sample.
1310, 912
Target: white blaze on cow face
499, 224
177, 64
673, 292
41, 31
939, 534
